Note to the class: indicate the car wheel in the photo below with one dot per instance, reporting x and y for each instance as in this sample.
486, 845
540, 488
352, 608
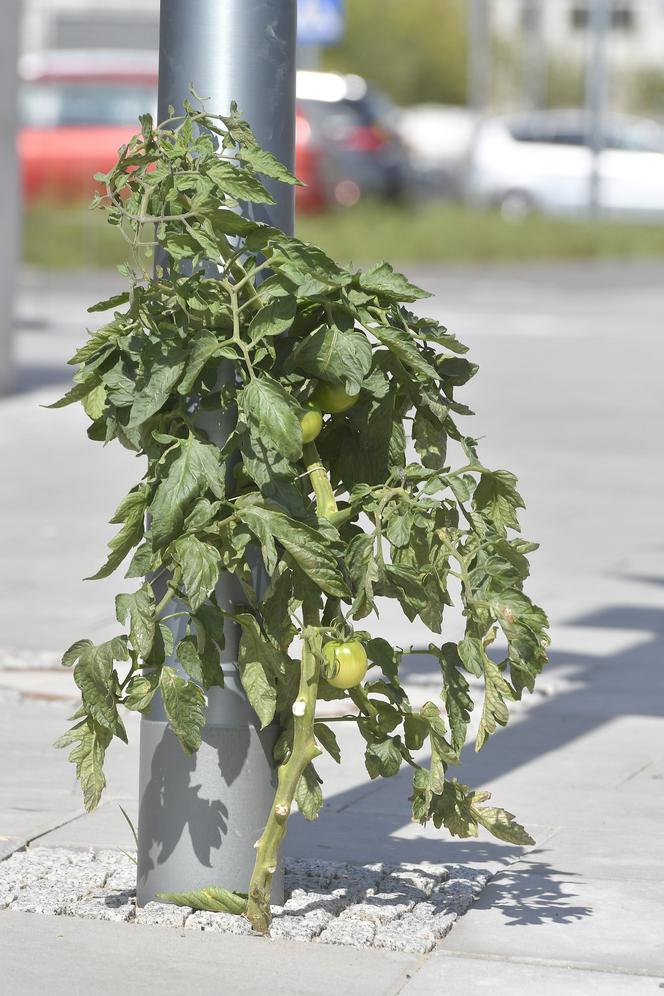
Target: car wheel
516, 205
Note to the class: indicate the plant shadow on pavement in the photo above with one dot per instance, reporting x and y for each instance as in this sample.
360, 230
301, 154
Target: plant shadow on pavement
525, 897
602, 689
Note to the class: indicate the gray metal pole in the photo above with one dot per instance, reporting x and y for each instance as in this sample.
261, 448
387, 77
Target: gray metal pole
599, 25
479, 54
200, 816
9, 186
534, 59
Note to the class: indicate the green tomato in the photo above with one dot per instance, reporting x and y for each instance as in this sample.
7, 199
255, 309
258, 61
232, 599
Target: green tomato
333, 398
349, 660
311, 423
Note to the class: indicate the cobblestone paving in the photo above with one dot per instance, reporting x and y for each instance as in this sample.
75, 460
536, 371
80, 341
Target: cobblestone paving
401, 908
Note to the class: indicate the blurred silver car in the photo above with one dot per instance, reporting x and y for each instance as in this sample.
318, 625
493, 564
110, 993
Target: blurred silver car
541, 161
437, 138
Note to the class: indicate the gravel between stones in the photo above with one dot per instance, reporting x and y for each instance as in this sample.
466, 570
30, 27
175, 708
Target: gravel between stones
397, 907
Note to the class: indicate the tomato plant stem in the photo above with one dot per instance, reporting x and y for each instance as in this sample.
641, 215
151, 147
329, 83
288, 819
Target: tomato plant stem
303, 752
325, 501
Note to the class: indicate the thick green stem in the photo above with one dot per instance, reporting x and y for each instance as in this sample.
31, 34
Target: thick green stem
304, 751
325, 501
304, 748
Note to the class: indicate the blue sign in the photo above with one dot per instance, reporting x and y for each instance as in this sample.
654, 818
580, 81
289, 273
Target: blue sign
320, 22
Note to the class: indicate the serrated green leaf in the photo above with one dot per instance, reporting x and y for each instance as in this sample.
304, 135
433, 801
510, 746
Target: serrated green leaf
404, 348
161, 377
199, 563
456, 694
327, 739
382, 280
259, 663
497, 499
334, 355
308, 794
502, 825
140, 691
88, 756
494, 709
267, 164
111, 302
383, 757
76, 393
74, 652
473, 655
140, 607
273, 319
184, 703
212, 898
95, 676
430, 442
305, 544
273, 414
203, 347
239, 183
407, 587
196, 467
363, 569
130, 511
95, 402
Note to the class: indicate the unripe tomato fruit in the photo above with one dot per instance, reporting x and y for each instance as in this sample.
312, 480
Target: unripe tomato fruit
350, 660
333, 398
311, 423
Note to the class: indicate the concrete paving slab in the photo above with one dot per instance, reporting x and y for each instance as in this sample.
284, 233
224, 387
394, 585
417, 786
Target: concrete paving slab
559, 916
68, 957
584, 756
447, 974
106, 828
612, 855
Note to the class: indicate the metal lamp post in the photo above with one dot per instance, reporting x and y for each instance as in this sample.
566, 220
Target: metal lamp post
200, 816
599, 25
9, 198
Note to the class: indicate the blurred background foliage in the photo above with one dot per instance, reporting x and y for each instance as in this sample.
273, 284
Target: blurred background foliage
415, 50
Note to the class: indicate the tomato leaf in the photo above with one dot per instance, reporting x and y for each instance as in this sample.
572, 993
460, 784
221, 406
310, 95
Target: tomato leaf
184, 703
213, 899
272, 412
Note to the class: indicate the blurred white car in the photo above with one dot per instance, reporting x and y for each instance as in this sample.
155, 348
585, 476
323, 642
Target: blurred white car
541, 161
437, 138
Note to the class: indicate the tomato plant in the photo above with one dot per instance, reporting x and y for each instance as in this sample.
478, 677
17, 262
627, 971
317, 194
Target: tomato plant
392, 501
346, 661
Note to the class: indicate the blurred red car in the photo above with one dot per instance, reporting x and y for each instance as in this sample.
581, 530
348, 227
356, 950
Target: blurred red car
78, 108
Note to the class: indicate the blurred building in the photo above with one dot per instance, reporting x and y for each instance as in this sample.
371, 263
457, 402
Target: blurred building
637, 28
71, 24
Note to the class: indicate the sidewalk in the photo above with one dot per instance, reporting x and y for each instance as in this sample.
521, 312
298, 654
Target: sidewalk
569, 396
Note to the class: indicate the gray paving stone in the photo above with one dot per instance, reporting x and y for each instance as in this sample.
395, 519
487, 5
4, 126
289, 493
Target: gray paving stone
41, 898
399, 908
222, 923
120, 908
162, 915
7, 896
439, 923
378, 909
413, 938
417, 879
353, 933
295, 928
330, 902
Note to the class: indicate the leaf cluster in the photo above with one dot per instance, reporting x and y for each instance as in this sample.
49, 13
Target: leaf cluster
204, 370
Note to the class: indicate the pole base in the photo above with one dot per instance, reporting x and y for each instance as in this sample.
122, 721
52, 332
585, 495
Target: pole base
200, 815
